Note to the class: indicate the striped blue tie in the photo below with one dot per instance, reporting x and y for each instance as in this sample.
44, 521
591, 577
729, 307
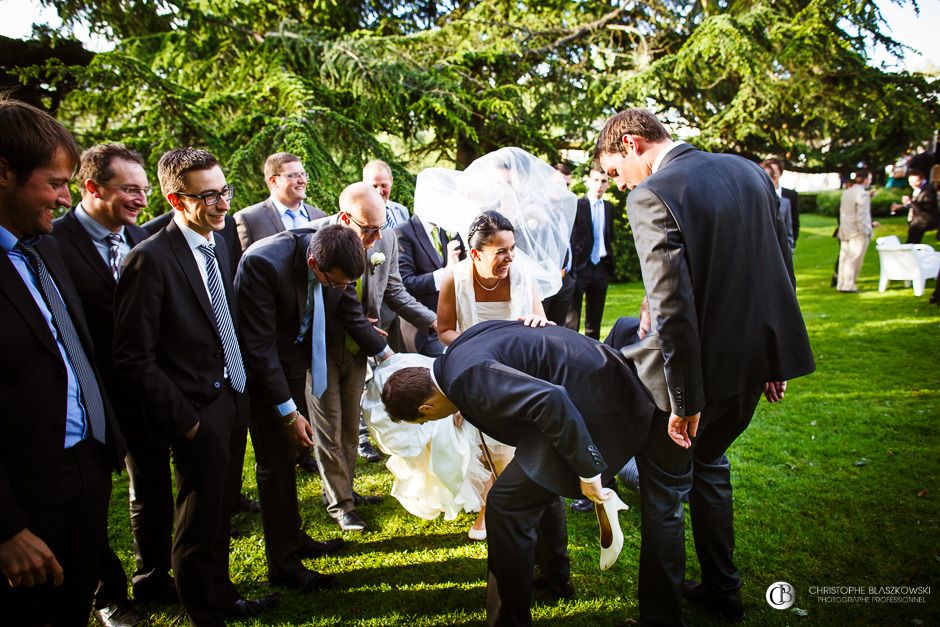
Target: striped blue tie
87, 383
223, 320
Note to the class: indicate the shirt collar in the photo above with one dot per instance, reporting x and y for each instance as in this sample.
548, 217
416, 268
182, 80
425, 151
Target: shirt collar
282, 208
95, 229
434, 380
8, 241
662, 155
194, 239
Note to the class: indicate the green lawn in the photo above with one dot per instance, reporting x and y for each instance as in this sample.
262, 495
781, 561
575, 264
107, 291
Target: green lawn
836, 486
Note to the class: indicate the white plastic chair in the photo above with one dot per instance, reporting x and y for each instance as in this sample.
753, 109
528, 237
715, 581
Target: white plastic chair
916, 263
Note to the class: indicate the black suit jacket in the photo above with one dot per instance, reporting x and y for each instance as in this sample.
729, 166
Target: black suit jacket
272, 297
166, 343
95, 285
229, 233
582, 236
418, 259
718, 273
571, 406
33, 388
924, 204
794, 198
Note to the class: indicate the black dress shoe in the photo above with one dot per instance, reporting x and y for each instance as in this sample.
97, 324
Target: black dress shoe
557, 590
368, 453
245, 504
314, 548
727, 604
306, 582
156, 591
248, 608
351, 521
361, 499
582, 505
309, 464
118, 614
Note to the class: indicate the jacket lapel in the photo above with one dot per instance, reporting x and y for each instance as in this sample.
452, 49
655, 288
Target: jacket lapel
81, 240
12, 285
422, 237
271, 212
187, 262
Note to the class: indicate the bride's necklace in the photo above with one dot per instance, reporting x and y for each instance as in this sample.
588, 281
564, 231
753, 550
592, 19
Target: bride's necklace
483, 287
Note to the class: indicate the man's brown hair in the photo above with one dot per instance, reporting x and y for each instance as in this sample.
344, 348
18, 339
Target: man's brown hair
275, 163
405, 392
335, 246
176, 163
629, 122
96, 161
31, 137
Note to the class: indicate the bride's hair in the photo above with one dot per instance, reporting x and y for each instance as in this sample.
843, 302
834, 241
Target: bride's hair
485, 226
405, 392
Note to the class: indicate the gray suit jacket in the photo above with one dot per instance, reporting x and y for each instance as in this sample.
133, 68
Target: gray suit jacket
262, 220
383, 282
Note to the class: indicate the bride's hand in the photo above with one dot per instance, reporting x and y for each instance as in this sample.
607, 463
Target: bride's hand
535, 320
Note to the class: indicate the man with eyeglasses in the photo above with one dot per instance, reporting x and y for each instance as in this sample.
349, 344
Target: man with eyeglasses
285, 208
336, 414
294, 292
176, 349
96, 236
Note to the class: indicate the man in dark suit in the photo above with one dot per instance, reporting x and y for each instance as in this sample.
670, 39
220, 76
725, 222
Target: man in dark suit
575, 411
792, 196
727, 326
424, 251
176, 349
285, 208
95, 237
922, 206
59, 437
282, 287
592, 256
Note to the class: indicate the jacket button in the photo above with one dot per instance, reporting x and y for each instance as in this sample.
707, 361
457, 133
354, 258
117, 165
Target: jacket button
217, 385
218, 353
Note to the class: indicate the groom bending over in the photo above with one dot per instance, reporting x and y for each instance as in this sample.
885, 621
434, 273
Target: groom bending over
574, 410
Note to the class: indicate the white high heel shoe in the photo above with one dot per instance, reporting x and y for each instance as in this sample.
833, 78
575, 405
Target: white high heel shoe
611, 534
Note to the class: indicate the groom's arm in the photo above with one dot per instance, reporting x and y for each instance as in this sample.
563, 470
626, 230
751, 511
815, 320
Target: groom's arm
500, 393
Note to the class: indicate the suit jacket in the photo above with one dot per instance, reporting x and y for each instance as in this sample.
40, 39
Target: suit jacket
719, 277
167, 347
95, 285
924, 205
793, 197
272, 296
33, 388
418, 259
582, 236
571, 406
383, 283
398, 213
263, 220
229, 235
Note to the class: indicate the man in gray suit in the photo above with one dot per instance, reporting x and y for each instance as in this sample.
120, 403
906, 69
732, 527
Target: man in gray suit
285, 208
336, 413
726, 326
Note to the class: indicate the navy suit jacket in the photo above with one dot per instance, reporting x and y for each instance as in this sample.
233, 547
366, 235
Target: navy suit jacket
582, 236
418, 259
571, 406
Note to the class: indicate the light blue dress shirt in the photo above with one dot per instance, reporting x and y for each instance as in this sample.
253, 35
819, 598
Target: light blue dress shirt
98, 233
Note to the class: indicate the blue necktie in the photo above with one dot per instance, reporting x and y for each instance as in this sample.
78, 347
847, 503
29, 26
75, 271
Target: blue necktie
87, 384
598, 219
223, 321
318, 341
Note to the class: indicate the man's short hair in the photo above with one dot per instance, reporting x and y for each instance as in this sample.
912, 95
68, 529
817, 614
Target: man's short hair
376, 163
861, 175
174, 165
275, 163
916, 172
563, 167
405, 392
96, 161
335, 246
629, 122
777, 163
31, 137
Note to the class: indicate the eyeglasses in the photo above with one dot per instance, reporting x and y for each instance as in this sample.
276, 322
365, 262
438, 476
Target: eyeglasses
334, 284
372, 230
295, 175
131, 190
212, 198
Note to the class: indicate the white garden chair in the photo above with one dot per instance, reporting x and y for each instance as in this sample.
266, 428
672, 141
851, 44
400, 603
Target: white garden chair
916, 263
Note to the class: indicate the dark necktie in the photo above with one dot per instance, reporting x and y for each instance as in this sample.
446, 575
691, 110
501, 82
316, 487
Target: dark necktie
91, 394
114, 254
223, 320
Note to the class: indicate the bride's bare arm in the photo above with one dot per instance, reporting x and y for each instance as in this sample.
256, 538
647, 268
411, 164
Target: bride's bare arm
447, 310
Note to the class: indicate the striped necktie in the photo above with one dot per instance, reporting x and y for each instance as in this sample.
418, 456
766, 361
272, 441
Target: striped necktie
223, 320
87, 383
113, 241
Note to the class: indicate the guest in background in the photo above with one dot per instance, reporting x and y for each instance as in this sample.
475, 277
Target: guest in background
784, 210
855, 229
921, 207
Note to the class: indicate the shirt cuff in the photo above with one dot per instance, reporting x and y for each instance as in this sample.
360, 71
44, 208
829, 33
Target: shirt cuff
591, 479
286, 408
385, 353
438, 278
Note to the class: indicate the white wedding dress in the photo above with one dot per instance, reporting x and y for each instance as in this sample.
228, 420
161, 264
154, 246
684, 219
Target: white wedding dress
436, 465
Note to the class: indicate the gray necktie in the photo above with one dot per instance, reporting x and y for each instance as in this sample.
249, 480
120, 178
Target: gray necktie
223, 319
87, 383
114, 254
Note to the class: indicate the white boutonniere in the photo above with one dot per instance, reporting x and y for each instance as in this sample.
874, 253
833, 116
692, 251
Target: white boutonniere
377, 259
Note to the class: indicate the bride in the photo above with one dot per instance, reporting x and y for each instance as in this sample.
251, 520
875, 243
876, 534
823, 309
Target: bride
514, 263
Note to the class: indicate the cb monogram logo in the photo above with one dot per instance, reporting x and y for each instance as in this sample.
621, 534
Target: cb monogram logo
780, 595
